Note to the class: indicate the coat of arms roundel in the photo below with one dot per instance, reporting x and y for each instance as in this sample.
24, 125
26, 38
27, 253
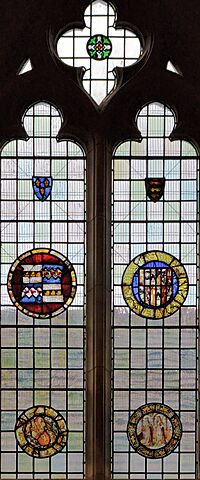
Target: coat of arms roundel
155, 284
42, 283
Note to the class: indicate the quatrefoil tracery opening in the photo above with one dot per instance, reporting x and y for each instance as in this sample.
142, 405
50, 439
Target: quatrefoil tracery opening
72, 47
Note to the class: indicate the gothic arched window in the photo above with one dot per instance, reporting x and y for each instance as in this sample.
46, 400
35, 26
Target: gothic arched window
99, 251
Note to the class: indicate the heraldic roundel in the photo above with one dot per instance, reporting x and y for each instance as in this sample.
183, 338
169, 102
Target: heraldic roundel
42, 283
155, 284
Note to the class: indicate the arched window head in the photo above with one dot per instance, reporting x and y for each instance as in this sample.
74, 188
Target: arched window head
156, 119
99, 48
42, 120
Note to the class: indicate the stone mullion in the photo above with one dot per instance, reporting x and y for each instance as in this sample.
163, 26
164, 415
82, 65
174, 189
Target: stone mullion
98, 368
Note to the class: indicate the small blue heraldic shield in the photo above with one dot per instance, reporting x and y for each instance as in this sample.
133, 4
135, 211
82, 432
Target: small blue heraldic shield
42, 187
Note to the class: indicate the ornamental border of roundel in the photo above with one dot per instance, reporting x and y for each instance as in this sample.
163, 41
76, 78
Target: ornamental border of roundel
28, 415
163, 451
62, 258
159, 311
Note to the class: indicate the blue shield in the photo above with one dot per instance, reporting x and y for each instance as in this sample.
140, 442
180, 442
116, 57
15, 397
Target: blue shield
42, 187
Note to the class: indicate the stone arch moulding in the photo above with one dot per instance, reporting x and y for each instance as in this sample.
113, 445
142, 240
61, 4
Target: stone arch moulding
49, 80
101, 18
58, 84
181, 130
164, 87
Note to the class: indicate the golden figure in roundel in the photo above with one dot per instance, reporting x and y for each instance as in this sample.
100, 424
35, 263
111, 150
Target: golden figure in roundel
154, 430
41, 432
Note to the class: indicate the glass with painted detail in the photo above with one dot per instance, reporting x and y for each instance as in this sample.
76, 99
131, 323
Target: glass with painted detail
120, 47
42, 283
155, 188
42, 187
41, 432
99, 47
42, 359
154, 430
152, 356
155, 284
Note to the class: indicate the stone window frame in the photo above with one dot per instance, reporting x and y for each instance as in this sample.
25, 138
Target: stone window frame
99, 130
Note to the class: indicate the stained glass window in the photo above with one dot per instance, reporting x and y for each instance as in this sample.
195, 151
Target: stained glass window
42, 308
99, 40
154, 355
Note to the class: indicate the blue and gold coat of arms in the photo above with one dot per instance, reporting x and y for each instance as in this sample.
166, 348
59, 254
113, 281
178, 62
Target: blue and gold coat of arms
42, 187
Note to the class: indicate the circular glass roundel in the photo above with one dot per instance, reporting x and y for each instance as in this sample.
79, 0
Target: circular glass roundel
99, 47
154, 430
155, 284
41, 432
42, 283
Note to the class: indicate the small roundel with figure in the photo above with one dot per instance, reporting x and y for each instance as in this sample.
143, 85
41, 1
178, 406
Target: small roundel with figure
154, 430
42, 283
41, 432
155, 284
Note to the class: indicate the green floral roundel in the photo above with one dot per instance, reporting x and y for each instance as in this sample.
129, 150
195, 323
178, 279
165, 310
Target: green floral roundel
99, 47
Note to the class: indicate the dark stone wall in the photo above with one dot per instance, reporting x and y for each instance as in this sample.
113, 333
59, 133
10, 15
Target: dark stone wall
170, 31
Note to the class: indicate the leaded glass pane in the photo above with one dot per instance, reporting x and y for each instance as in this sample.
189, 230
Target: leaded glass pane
99, 48
42, 356
154, 356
